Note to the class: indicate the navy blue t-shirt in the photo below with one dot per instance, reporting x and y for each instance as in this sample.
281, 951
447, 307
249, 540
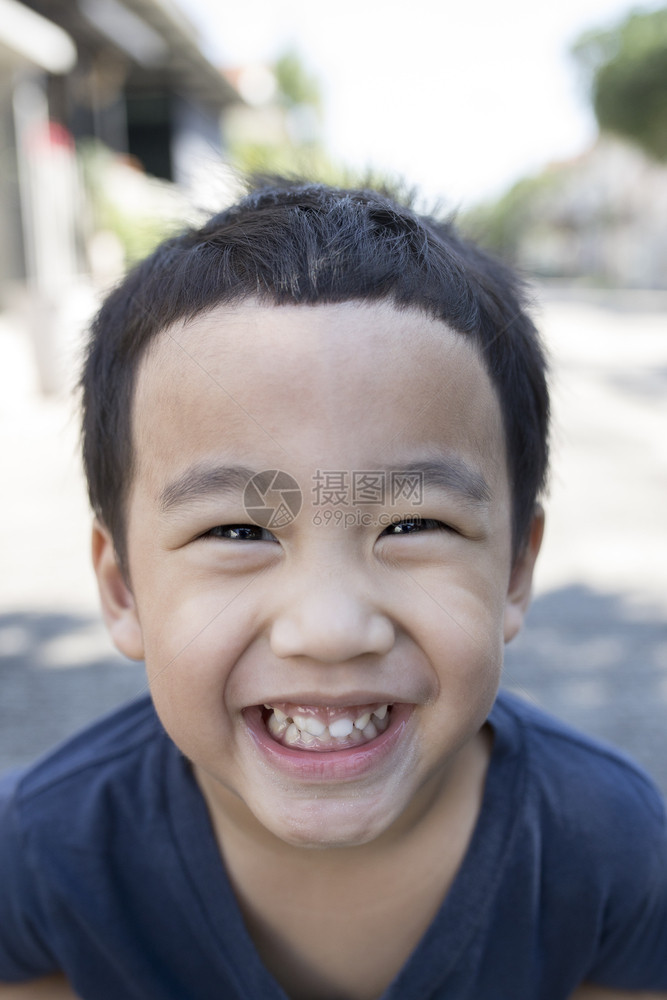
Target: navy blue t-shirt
109, 870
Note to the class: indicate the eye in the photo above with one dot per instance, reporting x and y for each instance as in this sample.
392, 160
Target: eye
240, 533
415, 525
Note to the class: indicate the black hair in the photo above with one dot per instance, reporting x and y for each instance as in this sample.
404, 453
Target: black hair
305, 243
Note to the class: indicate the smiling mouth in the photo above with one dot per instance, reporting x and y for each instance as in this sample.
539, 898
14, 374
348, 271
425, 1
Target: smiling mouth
305, 727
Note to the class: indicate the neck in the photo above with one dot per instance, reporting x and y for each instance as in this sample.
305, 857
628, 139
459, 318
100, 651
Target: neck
308, 910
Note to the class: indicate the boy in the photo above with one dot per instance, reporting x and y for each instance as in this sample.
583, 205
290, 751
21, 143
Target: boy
315, 434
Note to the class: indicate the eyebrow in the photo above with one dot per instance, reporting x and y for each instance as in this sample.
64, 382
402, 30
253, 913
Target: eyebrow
449, 475
204, 481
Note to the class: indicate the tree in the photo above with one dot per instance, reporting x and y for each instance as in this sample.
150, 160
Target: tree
282, 132
296, 86
626, 67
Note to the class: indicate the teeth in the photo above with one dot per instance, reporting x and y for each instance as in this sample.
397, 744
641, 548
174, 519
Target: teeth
308, 731
309, 724
292, 735
276, 727
369, 731
341, 728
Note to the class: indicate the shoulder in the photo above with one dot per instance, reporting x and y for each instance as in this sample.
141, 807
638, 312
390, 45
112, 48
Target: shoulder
84, 808
590, 830
586, 791
117, 735
87, 770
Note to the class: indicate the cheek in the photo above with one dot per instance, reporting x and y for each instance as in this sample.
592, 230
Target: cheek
468, 661
461, 631
466, 656
184, 614
188, 672
464, 605
192, 647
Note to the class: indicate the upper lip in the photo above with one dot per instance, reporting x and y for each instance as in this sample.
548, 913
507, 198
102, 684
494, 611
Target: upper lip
347, 700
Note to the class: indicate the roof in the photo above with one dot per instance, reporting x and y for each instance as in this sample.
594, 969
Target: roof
27, 37
154, 35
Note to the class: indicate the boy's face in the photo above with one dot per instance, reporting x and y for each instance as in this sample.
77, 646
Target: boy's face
334, 613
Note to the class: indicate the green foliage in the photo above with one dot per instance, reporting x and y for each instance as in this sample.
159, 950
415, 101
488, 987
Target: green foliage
286, 158
292, 143
295, 149
112, 206
626, 67
500, 225
138, 237
295, 85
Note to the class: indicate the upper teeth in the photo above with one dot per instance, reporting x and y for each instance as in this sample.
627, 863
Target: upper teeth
300, 727
309, 724
342, 727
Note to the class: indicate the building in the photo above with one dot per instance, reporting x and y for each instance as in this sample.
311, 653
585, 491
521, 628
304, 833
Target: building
129, 75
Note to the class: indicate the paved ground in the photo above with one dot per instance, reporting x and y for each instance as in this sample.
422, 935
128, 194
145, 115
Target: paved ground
595, 647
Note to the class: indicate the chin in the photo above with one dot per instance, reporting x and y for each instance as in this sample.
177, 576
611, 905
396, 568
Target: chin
321, 824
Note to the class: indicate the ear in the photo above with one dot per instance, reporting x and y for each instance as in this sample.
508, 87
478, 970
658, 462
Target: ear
118, 607
521, 578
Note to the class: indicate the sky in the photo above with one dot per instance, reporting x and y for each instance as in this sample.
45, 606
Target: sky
458, 98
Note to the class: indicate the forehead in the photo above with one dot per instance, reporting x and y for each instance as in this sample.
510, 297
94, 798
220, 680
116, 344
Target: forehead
355, 379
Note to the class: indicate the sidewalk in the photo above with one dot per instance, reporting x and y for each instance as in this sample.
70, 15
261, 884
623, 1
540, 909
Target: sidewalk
595, 647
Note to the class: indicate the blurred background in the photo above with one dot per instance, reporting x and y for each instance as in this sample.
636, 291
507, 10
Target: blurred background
542, 126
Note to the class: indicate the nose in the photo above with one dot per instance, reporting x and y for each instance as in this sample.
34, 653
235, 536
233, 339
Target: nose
331, 623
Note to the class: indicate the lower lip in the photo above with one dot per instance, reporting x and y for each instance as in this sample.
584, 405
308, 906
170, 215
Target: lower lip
334, 765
